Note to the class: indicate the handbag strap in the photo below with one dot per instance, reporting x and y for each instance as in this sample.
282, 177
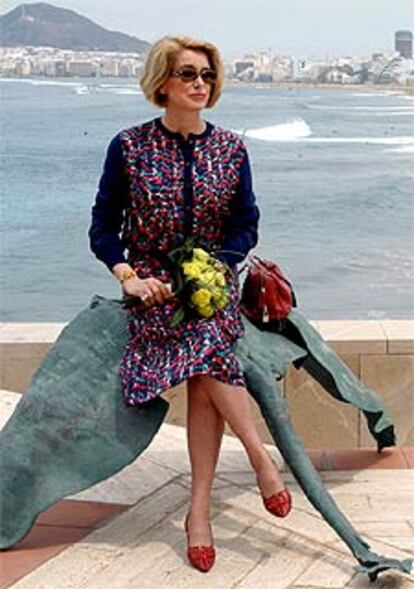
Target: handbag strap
241, 254
259, 262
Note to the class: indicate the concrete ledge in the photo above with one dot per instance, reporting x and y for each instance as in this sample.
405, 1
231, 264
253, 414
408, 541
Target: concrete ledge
354, 337
379, 352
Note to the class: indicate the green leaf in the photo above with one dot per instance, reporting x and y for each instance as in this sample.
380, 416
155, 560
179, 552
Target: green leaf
177, 317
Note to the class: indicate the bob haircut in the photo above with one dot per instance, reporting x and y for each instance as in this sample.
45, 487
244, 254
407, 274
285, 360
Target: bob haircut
160, 62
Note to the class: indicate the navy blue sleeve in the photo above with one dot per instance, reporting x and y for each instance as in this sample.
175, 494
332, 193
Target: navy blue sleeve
241, 231
107, 212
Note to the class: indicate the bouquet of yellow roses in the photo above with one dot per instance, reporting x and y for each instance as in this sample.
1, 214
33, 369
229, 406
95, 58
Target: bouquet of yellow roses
202, 282
199, 281
204, 290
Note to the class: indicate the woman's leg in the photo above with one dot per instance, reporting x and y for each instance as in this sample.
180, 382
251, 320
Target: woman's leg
205, 427
234, 405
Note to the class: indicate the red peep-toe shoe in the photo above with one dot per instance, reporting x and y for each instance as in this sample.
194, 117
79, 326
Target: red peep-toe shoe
278, 504
201, 557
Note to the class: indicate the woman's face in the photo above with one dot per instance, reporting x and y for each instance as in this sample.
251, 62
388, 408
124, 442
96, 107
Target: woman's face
188, 96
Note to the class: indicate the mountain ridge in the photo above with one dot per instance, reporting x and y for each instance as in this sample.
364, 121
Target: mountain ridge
43, 24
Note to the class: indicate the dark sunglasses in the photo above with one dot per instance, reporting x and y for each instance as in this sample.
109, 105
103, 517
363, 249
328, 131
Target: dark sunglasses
189, 74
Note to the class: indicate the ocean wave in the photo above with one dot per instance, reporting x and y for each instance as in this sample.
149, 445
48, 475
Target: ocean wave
405, 149
402, 140
121, 88
80, 87
41, 82
128, 91
369, 94
298, 130
106, 85
367, 107
107, 89
290, 131
395, 113
82, 90
262, 86
400, 262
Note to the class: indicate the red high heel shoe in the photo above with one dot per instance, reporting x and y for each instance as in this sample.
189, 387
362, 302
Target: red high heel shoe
278, 504
201, 557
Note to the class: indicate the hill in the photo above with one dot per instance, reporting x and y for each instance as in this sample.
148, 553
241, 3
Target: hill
42, 24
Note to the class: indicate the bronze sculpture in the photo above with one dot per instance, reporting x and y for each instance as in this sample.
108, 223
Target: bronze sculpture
71, 429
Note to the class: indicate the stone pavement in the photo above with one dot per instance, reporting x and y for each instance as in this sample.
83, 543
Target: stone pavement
127, 532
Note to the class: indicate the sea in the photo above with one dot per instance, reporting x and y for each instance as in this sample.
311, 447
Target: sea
333, 176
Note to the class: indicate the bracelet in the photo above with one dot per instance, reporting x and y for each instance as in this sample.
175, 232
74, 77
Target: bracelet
125, 274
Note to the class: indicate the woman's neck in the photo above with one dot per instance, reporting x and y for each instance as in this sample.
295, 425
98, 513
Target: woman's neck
184, 123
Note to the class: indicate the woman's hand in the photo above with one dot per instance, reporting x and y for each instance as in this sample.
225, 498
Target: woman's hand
149, 290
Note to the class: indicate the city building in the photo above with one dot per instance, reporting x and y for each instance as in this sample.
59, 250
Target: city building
404, 44
259, 66
81, 68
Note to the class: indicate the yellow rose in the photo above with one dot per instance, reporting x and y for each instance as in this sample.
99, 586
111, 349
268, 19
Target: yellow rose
192, 269
218, 265
209, 277
220, 298
200, 254
206, 310
222, 302
201, 297
220, 280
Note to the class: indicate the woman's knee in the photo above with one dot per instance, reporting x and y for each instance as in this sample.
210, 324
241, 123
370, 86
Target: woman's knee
198, 388
201, 380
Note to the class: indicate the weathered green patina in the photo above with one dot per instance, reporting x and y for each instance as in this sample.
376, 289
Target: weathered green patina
71, 428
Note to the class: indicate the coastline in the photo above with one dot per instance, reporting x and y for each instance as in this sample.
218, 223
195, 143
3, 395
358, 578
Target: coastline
355, 87
288, 85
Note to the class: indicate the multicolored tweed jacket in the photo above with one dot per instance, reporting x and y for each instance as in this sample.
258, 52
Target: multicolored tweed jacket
157, 187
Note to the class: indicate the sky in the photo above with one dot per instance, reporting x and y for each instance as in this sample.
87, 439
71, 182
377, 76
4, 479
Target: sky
304, 28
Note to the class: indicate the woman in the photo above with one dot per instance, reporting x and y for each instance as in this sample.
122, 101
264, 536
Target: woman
163, 179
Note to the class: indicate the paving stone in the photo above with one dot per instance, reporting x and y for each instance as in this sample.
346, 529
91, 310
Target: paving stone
70, 570
405, 543
116, 538
282, 564
8, 402
329, 570
309, 526
236, 556
389, 529
131, 484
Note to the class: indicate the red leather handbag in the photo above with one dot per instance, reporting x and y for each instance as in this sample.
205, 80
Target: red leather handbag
267, 295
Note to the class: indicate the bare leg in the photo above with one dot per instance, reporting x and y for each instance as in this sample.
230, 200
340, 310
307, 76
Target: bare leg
234, 405
205, 427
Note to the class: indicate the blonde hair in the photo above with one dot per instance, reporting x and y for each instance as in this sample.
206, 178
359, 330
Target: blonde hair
160, 62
